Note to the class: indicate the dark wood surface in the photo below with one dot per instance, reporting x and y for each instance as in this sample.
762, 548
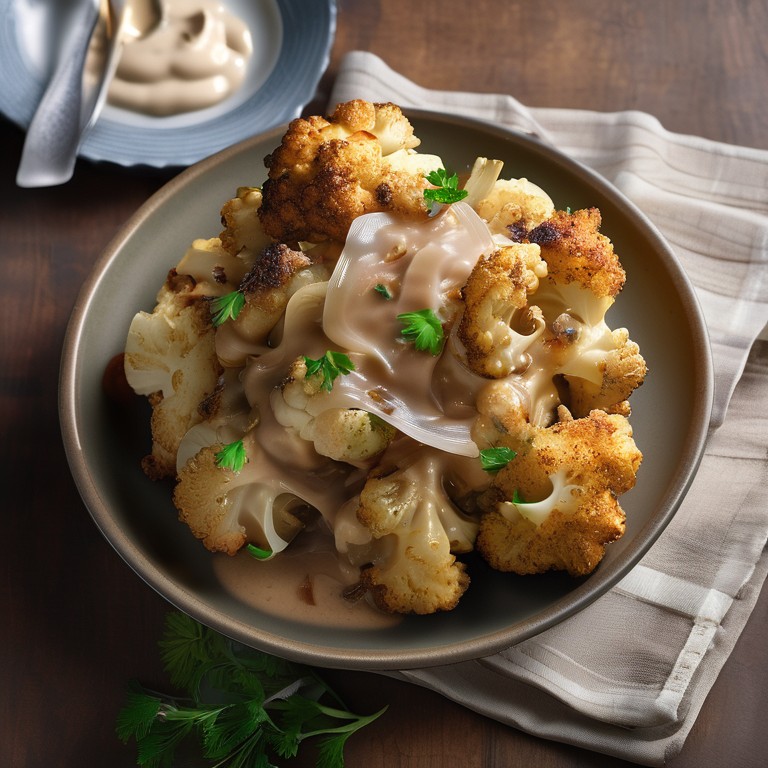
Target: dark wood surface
77, 623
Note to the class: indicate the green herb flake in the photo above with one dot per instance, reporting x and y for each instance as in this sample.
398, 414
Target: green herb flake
423, 329
330, 366
258, 552
227, 307
241, 706
447, 187
494, 459
382, 289
232, 456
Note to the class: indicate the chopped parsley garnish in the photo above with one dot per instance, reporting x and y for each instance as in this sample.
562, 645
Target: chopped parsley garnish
232, 456
517, 498
330, 366
494, 459
227, 307
258, 552
382, 289
447, 191
423, 329
242, 707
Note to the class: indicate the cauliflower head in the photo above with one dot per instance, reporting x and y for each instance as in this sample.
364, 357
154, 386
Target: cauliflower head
243, 235
405, 535
497, 325
275, 276
171, 359
327, 172
350, 435
555, 506
227, 509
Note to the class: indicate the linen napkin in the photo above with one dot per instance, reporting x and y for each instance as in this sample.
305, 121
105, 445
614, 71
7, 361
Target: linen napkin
594, 680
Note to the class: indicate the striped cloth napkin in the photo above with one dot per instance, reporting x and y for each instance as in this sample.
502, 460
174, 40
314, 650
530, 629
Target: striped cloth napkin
594, 680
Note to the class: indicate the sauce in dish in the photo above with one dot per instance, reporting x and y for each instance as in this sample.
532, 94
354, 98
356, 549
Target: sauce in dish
306, 584
195, 59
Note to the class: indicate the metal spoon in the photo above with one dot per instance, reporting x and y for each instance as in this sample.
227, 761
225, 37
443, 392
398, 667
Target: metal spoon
72, 101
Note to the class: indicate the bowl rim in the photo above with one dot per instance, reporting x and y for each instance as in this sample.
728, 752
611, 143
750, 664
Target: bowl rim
364, 658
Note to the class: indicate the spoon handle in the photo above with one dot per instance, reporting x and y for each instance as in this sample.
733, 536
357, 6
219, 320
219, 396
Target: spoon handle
50, 148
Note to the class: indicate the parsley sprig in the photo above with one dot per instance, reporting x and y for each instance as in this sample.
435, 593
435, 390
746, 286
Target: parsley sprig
423, 329
232, 456
246, 707
447, 187
330, 366
227, 307
495, 459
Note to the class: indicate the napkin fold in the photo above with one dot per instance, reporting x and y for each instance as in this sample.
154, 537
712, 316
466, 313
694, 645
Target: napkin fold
627, 675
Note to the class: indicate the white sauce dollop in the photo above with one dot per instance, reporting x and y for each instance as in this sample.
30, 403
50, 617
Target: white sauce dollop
195, 59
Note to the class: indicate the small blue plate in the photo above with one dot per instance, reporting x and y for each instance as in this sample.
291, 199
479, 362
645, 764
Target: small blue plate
291, 40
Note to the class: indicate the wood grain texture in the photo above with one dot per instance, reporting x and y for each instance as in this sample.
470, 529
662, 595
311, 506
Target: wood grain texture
77, 623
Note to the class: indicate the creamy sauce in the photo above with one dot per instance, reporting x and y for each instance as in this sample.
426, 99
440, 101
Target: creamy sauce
195, 59
306, 584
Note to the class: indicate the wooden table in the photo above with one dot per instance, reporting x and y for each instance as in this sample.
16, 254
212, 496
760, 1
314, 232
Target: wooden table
77, 623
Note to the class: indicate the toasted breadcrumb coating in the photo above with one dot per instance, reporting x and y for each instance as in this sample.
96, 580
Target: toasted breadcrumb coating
576, 251
496, 324
598, 459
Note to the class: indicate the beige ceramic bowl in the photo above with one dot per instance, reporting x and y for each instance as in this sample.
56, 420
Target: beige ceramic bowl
670, 413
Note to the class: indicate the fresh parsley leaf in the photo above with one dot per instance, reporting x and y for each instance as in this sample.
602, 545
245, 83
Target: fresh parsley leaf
382, 289
232, 456
330, 366
245, 707
517, 498
227, 307
494, 459
258, 552
423, 329
447, 187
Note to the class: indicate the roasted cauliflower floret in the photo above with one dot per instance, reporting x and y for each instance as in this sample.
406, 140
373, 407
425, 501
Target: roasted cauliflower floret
170, 358
223, 510
344, 434
576, 251
555, 506
243, 235
218, 264
497, 325
620, 372
409, 532
214, 270
326, 173
514, 205
276, 275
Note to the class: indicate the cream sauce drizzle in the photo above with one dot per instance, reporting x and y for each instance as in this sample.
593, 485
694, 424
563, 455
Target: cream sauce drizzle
195, 59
